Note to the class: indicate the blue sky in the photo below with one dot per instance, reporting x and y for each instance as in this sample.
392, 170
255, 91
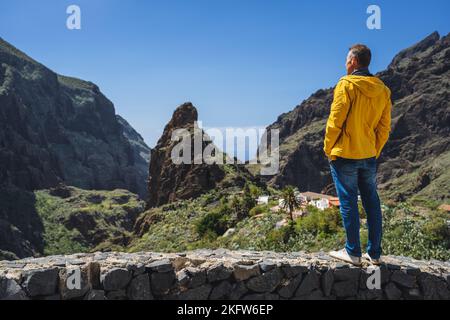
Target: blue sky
241, 62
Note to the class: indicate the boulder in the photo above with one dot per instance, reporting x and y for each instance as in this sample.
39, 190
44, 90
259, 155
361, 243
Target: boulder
115, 279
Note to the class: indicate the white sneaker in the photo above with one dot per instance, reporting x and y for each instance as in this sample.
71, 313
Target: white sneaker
375, 262
344, 256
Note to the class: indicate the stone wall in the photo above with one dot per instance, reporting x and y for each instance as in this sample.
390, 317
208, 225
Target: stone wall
218, 274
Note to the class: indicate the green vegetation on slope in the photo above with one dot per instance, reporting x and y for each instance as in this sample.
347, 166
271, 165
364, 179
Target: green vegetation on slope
212, 221
78, 220
428, 182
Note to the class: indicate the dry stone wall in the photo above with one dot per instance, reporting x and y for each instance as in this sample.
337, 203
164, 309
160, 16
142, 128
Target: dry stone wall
217, 275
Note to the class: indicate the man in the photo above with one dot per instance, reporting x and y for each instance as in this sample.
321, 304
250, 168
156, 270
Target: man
356, 132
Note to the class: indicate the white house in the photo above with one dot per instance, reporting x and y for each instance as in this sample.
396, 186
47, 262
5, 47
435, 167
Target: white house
322, 204
320, 201
262, 200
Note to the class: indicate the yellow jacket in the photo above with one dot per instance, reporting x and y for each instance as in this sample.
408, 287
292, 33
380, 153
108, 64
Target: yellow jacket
360, 118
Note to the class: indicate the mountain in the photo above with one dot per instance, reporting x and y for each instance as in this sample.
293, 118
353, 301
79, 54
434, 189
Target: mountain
415, 162
169, 182
57, 129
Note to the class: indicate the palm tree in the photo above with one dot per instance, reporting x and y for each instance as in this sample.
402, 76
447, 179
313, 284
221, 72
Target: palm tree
290, 200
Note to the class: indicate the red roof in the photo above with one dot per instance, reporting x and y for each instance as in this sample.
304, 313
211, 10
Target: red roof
335, 202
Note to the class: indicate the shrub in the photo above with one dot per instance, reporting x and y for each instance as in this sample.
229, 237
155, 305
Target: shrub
407, 237
437, 229
320, 222
281, 235
214, 223
259, 209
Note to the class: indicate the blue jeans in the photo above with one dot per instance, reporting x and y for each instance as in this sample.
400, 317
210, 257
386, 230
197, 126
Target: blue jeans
349, 176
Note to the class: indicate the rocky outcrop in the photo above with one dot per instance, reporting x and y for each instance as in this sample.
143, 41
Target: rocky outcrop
140, 150
170, 181
219, 274
58, 129
416, 160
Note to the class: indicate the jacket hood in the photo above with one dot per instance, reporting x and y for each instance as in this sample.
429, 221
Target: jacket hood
369, 86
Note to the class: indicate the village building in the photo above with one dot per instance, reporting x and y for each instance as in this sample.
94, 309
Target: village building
262, 200
318, 200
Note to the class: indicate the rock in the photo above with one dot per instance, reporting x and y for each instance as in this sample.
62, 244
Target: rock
221, 291
95, 295
244, 272
160, 266
179, 262
238, 291
267, 265
315, 295
347, 274
370, 295
392, 292
366, 273
161, 283
229, 232
327, 281
345, 289
393, 267
197, 277
115, 279
309, 284
42, 282
75, 262
403, 279
10, 290
183, 278
199, 293
92, 270
385, 275
412, 270
414, 294
136, 268
218, 272
68, 283
288, 288
266, 282
116, 295
168, 181
433, 288
292, 271
139, 288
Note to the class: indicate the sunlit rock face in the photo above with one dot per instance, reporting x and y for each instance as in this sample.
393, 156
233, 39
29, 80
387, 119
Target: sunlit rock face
170, 181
